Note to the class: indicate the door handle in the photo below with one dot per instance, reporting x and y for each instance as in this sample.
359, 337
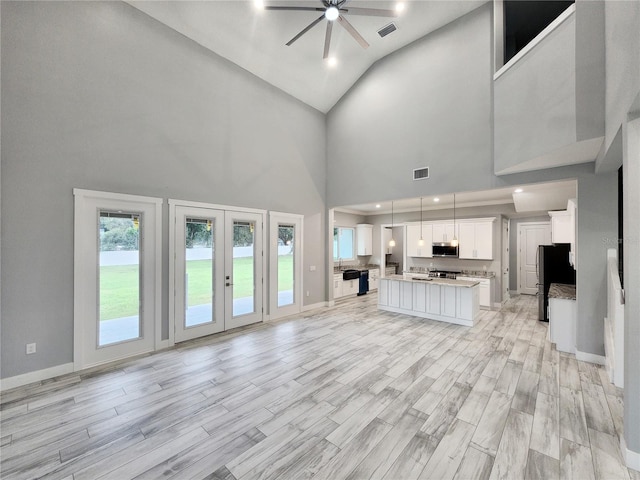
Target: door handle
228, 284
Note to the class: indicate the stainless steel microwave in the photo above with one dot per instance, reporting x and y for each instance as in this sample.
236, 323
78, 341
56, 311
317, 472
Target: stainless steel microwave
444, 250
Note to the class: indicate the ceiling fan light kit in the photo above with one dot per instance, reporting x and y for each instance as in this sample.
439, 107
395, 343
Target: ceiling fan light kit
335, 11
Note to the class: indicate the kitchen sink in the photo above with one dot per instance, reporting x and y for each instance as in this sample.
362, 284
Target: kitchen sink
350, 274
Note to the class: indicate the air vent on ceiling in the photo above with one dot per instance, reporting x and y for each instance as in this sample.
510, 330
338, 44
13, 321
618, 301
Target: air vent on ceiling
387, 29
421, 173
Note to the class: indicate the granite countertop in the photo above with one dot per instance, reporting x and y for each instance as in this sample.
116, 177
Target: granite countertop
562, 291
355, 267
434, 281
462, 273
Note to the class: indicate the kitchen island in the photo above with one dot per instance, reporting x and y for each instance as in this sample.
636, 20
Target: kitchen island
447, 300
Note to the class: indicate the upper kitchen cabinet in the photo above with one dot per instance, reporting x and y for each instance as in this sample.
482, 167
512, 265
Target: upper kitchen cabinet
444, 232
412, 238
364, 235
476, 239
561, 226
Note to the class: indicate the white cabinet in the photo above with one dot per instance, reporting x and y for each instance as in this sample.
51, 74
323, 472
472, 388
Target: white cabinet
337, 286
444, 232
562, 324
476, 240
561, 226
383, 293
386, 238
350, 287
412, 238
374, 275
484, 290
364, 236
394, 293
433, 300
448, 301
420, 295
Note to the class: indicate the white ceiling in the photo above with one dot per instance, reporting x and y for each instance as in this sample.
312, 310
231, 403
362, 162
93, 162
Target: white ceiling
534, 198
255, 39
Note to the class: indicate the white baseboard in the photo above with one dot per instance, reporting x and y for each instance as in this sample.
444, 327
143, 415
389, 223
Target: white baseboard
37, 376
631, 458
313, 306
590, 357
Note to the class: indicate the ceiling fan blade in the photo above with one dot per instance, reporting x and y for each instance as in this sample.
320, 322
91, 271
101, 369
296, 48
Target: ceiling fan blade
354, 33
372, 12
306, 29
305, 9
327, 40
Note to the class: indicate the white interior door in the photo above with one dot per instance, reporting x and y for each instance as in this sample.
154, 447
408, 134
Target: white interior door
530, 236
243, 268
117, 276
199, 272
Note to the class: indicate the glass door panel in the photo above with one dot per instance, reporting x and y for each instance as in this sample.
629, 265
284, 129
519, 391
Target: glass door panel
243, 268
198, 272
286, 265
119, 278
243, 279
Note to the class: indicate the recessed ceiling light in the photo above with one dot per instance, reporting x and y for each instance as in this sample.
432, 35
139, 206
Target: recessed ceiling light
436, 199
378, 205
518, 190
258, 4
399, 7
332, 61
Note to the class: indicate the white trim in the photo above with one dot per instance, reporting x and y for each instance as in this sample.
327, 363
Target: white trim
313, 306
275, 219
187, 203
79, 192
172, 260
590, 357
36, 376
428, 316
631, 458
85, 202
564, 16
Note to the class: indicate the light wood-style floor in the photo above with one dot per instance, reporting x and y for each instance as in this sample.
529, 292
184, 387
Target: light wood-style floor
341, 393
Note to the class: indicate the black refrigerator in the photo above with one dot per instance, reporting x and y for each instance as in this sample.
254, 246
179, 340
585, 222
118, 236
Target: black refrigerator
553, 267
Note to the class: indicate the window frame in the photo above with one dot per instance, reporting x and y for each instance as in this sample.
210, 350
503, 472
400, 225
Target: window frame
336, 250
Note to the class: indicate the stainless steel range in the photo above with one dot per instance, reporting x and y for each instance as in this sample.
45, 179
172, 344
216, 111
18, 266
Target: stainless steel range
443, 274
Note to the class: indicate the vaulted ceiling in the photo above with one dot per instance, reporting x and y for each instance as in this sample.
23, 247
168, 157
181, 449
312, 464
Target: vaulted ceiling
255, 39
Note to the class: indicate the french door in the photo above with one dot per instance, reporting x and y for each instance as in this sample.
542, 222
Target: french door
217, 269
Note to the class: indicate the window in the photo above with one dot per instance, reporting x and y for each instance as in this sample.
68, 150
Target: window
343, 243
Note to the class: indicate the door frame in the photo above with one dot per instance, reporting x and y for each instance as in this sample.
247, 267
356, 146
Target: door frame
505, 256
275, 218
519, 246
85, 241
172, 250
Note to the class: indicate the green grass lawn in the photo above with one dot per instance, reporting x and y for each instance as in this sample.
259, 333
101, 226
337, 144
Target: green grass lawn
119, 284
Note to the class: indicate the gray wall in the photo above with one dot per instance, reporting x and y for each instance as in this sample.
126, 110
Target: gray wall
428, 104
597, 231
622, 43
100, 96
631, 235
535, 101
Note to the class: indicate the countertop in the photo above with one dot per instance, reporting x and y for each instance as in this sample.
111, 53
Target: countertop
462, 273
434, 281
355, 267
562, 291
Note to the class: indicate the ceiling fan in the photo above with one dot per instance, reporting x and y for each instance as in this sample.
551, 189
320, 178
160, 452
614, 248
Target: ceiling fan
335, 10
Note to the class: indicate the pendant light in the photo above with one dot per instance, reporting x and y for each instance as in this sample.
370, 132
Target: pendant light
421, 241
392, 242
454, 241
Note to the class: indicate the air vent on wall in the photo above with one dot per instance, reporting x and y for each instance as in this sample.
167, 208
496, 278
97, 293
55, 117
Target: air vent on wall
421, 173
387, 29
